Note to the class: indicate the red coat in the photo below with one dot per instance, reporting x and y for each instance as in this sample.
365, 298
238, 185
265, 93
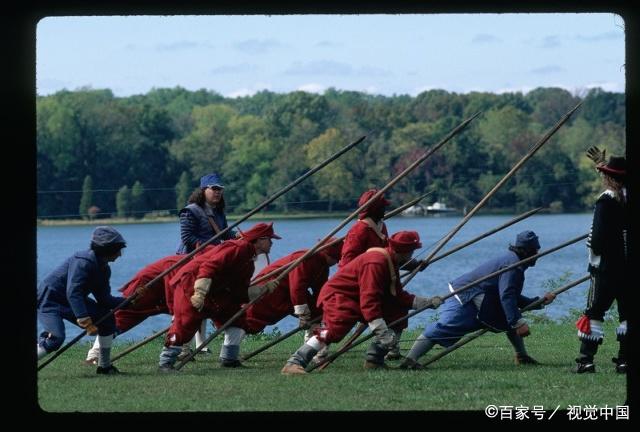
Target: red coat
229, 266
292, 290
360, 291
360, 238
158, 298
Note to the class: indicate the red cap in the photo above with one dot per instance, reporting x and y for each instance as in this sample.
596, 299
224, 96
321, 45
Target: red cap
333, 251
380, 202
405, 241
260, 230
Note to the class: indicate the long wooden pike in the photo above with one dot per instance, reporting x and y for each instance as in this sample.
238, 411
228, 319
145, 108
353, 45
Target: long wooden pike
280, 339
286, 335
188, 256
468, 216
388, 215
480, 237
304, 256
333, 356
362, 327
504, 179
139, 344
480, 332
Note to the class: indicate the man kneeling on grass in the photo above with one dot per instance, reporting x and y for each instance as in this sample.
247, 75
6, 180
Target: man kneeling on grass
490, 304
365, 290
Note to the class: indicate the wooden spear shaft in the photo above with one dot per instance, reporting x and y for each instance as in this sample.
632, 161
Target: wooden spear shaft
333, 356
203, 245
308, 253
480, 332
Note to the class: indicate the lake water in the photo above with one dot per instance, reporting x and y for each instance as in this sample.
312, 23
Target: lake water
149, 242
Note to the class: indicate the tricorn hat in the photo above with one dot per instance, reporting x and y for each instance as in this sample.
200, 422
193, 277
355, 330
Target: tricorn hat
616, 167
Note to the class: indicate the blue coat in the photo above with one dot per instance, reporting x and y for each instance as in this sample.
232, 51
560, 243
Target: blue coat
69, 285
196, 229
502, 293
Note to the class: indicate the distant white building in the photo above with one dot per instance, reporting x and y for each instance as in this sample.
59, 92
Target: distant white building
438, 207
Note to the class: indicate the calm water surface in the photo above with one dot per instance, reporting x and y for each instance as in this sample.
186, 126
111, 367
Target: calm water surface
149, 242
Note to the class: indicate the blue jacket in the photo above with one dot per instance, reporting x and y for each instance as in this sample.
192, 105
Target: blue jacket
196, 229
502, 293
69, 285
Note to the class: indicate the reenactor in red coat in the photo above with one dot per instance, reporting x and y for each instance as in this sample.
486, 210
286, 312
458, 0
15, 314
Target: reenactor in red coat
214, 285
368, 231
364, 290
152, 300
292, 296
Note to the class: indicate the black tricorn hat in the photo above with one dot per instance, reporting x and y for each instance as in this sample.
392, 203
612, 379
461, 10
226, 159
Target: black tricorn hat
616, 167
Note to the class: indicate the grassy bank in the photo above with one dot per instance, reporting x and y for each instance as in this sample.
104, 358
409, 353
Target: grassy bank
476, 375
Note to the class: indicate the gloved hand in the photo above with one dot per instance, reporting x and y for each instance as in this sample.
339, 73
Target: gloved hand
200, 290
430, 302
87, 324
138, 294
303, 313
385, 337
271, 286
549, 297
597, 156
523, 330
141, 290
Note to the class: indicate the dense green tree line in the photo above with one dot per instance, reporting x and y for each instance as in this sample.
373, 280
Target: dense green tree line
130, 156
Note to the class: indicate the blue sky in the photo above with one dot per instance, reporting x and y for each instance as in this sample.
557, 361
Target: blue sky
238, 55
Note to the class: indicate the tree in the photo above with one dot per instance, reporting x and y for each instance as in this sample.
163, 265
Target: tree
138, 202
335, 181
123, 202
183, 190
87, 197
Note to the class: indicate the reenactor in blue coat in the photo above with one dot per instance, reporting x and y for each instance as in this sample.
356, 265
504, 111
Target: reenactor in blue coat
64, 295
492, 304
203, 218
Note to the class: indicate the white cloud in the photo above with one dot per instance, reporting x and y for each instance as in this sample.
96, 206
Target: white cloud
248, 91
416, 91
312, 88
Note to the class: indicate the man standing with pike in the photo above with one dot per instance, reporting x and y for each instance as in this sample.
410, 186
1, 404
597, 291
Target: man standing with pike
365, 290
214, 285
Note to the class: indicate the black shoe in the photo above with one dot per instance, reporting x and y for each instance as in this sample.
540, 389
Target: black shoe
184, 353
230, 363
393, 356
109, 370
167, 369
584, 367
621, 365
410, 364
525, 359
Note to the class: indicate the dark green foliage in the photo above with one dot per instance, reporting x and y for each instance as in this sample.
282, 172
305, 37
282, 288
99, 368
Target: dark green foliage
168, 138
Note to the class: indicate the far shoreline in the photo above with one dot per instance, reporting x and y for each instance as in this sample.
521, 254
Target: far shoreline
257, 216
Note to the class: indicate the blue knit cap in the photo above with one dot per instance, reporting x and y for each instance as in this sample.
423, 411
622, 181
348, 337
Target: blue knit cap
105, 236
527, 240
210, 180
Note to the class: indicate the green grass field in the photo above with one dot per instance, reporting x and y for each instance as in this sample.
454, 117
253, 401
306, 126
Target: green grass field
478, 374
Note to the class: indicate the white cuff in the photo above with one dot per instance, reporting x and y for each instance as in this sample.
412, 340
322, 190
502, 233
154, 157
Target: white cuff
377, 324
519, 323
302, 309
